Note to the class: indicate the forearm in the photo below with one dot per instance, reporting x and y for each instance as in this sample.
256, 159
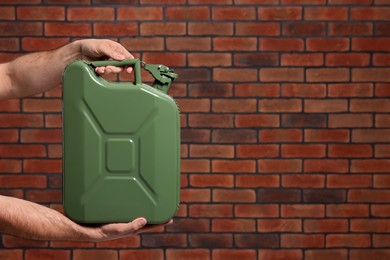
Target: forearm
37, 72
29, 220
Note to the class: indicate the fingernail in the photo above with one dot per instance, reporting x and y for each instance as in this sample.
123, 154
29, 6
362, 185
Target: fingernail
142, 222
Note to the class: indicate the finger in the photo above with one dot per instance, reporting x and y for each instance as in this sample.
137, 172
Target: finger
114, 50
149, 227
114, 69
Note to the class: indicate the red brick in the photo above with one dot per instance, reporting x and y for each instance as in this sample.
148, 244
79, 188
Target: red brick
382, 90
325, 226
282, 75
234, 75
210, 240
172, 254
303, 150
348, 60
21, 120
19, 181
279, 225
280, 13
381, 59
256, 90
278, 195
187, 13
214, 180
371, 75
256, 240
233, 166
195, 135
381, 181
73, 29
278, 44
195, 195
327, 44
304, 29
42, 166
233, 13
200, 120
162, 28
18, 242
382, 29
9, 135
7, 13
304, 90
326, 135
42, 44
170, 59
369, 105
325, 254
257, 181
115, 29
94, 254
11, 254
326, 166
280, 254
233, 105
234, 44
21, 28
324, 196
257, 151
380, 210
195, 165
281, 165
127, 242
327, 75
234, 136
256, 210
370, 136
259, 29
350, 90
242, 195
233, 225
212, 151
350, 29
262, 2
144, 44
350, 150
207, 210
210, 90
350, 181
139, 13
209, 59
188, 44
325, 106
304, 120
37, 254
299, 2
381, 240
303, 180
40, 13
210, 28
233, 254
382, 150
368, 196
193, 105
167, 2
257, 120
10, 166
22, 151
347, 210
9, 44
11, 105
42, 105
306, 59
157, 254
348, 2
302, 241
370, 13
370, 225
96, 13
44, 196
370, 44
256, 59
280, 136
280, 105
370, 166
41, 136
326, 13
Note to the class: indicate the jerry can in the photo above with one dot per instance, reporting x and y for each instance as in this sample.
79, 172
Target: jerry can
121, 145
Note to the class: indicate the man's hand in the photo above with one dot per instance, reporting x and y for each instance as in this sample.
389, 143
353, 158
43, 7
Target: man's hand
119, 230
92, 49
38, 72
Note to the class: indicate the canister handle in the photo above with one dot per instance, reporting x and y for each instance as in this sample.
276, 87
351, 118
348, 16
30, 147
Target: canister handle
136, 63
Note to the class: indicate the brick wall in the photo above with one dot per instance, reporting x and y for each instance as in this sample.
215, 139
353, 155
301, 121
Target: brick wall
285, 124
